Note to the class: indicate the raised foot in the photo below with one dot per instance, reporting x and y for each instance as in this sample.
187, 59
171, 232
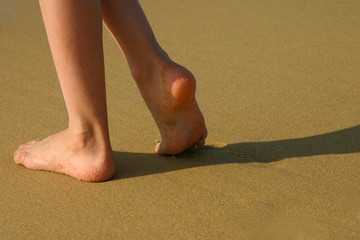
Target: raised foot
82, 156
169, 92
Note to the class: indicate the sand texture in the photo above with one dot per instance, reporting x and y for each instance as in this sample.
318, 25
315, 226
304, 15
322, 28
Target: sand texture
279, 86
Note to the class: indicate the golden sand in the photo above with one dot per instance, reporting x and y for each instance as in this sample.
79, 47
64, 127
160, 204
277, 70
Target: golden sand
278, 83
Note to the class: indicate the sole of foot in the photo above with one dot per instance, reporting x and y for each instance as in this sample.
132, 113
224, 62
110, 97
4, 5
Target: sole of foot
169, 92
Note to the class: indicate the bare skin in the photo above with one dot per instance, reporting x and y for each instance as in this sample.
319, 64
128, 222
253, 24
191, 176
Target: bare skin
83, 150
81, 156
170, 97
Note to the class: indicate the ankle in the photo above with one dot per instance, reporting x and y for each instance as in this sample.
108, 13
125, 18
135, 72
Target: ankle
89, 126
80, 139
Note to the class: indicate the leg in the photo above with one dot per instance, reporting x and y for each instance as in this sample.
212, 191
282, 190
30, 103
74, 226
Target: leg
167, 88
83, 151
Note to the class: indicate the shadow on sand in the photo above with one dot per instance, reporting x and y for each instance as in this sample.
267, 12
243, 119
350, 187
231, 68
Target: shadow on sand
339, 142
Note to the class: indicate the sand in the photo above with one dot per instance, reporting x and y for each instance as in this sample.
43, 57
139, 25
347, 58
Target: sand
278, 83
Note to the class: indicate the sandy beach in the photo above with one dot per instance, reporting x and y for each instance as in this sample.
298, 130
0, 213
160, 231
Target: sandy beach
279, 84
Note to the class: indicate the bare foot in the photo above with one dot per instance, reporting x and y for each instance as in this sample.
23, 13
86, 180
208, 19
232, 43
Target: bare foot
80, 156
169, 92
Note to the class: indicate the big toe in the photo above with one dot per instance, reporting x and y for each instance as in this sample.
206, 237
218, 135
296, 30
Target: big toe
20, 155
172, 149
161, 149
164, 148
158, 150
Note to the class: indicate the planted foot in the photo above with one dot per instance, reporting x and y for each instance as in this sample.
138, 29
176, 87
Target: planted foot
81, 156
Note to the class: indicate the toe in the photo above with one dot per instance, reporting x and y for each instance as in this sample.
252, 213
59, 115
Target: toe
19, 156
166, 149
198, 145
204, 135
22, 153
26, 145
159, 149
21, 147
201, 142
